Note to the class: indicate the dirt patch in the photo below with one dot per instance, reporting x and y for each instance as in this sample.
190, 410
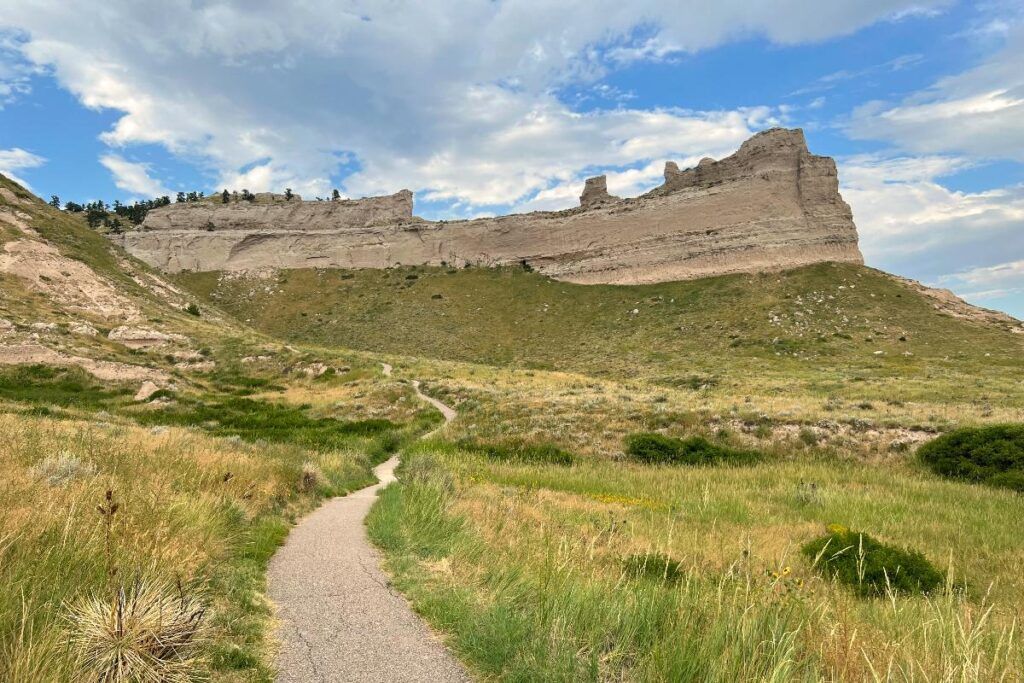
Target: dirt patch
19, 221
201, 366
11, 198
68, 283
29, 354
141, 337
154, 285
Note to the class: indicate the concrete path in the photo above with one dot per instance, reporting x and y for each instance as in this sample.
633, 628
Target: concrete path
448, 412
339, 618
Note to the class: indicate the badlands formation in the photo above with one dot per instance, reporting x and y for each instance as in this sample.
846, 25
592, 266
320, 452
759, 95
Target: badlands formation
770, 205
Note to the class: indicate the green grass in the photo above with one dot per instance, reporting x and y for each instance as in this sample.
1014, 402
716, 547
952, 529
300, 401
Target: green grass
615, 571
254, 421
815, 328
43, 385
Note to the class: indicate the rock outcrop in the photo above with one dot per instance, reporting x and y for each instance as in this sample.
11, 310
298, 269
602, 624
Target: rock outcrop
595, 193
770, 205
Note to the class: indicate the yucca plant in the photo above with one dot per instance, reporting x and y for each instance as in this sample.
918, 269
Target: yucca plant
150, 631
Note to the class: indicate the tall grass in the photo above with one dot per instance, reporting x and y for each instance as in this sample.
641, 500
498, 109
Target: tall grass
182, 507
527, 569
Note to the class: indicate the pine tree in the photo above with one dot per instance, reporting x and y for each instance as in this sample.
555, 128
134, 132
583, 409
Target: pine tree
55, 201
224, 197
288, 194
335, 195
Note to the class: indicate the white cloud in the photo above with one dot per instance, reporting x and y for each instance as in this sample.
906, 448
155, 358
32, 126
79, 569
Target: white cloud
989, 282
911, 224
15, 72
16, 159
979, 112
451, 97
133, 177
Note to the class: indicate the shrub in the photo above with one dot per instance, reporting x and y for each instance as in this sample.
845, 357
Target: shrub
651, 448
192, 309
991, 455
653, 566
149, 631
871, 567
63, 468
808, 436
521, 451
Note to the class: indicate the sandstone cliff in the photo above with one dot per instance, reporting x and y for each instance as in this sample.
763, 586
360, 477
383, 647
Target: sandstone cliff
770, 205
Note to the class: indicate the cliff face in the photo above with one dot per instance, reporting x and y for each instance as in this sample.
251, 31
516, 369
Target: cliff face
770, 205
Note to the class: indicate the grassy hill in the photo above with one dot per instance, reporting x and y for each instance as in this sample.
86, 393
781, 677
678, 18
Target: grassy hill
524, 531
185, 492
822, 326
830, 376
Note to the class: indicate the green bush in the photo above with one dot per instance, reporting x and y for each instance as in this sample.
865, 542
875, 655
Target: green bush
991, 455
653, 566
869, 566
521, 451
651, 448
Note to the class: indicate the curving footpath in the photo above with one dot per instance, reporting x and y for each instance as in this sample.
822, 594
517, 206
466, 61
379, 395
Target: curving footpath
339, 618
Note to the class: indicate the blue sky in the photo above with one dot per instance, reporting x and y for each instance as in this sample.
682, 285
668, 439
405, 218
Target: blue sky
487, 107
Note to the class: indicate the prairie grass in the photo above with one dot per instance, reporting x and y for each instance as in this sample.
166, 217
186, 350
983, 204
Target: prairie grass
812, 331
530, 570
187, 507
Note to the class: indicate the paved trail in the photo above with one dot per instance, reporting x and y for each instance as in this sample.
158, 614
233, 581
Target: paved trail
339, 618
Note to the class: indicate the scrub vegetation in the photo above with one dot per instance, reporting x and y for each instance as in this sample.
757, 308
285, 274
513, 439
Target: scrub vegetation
797, 476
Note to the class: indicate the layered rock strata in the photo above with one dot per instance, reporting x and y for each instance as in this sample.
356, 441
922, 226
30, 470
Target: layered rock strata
770, 205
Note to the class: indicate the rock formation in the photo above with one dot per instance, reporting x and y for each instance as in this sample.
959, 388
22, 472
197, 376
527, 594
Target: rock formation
770, 205
595, 192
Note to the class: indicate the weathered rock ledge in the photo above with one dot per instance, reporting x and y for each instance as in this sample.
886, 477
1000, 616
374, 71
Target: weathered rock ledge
770, 205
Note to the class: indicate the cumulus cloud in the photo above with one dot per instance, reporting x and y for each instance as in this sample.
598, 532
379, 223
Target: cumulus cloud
454, 98
17, 159
910, 223
133, 177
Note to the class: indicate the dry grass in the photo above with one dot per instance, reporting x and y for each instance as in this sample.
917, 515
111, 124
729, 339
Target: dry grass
188, 507
591, 415
149, 631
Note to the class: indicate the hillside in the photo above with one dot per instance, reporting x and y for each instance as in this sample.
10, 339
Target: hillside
819, 327
150, 439
526, 531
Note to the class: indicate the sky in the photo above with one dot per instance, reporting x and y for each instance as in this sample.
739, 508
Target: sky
484, 107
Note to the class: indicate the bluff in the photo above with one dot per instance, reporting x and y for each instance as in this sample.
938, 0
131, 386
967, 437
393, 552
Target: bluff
770, 205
